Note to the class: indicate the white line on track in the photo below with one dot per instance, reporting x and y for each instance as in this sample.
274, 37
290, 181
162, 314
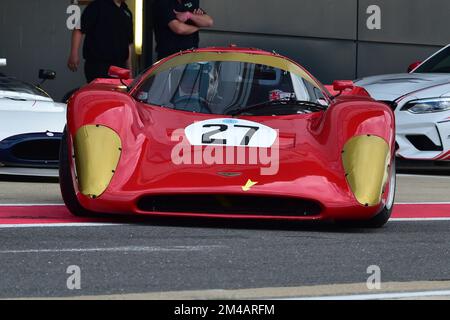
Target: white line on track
31, 204
417, 219
414, 203
114, 249
380, 296
82, 225
422, 176
62, 204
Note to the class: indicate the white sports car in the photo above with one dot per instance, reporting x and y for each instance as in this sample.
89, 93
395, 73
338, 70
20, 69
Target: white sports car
31, 126
421, 100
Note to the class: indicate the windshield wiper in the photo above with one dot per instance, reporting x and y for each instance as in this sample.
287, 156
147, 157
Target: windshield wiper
275, 103
15, 99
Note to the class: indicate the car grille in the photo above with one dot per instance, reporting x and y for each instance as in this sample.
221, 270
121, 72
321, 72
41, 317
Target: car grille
230, 204
423, 143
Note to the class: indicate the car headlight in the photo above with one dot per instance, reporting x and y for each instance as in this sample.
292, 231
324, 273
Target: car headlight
428, 105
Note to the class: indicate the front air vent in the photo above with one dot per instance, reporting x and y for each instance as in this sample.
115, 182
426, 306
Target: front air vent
423, 143
230, 204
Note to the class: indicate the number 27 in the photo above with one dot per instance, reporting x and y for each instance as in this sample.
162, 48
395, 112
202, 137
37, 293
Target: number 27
207, 138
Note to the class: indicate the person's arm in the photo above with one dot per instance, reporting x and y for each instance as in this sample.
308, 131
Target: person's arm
129, 62
130, 57
199, 18
88, 20
182, 28
74, 58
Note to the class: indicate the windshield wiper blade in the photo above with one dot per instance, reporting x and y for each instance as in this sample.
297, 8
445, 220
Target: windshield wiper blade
15, 99
295, 103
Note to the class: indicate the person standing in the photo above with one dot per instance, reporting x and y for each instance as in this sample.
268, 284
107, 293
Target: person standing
107, 26
177, 25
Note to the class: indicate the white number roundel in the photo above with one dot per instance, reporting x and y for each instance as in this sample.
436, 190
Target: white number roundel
231, 133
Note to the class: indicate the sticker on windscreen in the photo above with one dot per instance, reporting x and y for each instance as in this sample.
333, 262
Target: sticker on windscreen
231, 133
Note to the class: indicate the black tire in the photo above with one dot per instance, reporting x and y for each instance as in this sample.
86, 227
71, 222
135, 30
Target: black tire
385, 214
66, 181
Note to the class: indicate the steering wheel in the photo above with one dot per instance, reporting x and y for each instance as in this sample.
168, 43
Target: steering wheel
192, 103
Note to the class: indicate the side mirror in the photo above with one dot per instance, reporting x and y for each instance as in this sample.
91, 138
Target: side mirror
413, 66
119, 73
47, 74
3, 62
342, 85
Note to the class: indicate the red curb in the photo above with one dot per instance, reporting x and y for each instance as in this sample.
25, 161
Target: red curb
45, 214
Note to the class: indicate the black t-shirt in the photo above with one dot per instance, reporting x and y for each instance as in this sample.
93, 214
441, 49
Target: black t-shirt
168, 42
109, 32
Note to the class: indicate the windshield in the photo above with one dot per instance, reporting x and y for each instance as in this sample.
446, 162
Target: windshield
440, 63
14, 85
217, 87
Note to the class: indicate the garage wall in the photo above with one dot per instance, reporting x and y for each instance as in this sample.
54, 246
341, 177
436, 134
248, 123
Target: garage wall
424, 22
312, 53
307, 31
33, 35
379, 58
329, 37
411, 30
308, 18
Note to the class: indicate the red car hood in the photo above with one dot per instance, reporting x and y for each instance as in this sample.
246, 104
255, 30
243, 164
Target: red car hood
302, 158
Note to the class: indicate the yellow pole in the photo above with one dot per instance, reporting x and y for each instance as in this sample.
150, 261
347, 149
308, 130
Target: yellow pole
138, 26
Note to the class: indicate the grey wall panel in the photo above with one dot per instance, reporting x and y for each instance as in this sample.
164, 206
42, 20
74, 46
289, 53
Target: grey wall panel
34, 35
314, 18
325, 59
376, 58
424, 22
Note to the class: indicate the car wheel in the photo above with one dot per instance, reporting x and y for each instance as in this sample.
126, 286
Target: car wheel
385, 214
66, 181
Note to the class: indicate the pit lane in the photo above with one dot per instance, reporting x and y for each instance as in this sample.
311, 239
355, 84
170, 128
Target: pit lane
172, 258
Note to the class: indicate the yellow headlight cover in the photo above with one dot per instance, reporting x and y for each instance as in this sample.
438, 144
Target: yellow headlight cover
97, 154
366, 162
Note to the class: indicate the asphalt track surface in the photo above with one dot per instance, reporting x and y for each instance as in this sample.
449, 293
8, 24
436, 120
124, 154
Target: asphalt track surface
198, 259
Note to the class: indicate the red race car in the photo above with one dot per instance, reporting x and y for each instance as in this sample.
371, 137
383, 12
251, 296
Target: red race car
228, 133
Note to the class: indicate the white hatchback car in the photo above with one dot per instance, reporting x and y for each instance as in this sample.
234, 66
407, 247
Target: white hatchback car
421, 100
